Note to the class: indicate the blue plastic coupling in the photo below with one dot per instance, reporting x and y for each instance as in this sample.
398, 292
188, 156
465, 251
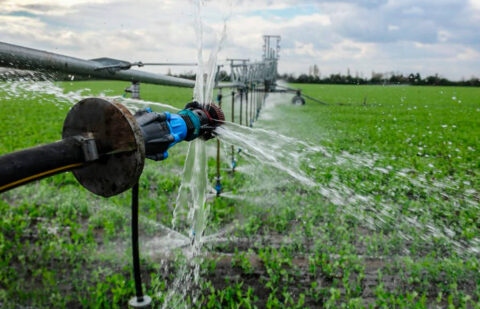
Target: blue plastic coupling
234, 163
177, 126
218, 186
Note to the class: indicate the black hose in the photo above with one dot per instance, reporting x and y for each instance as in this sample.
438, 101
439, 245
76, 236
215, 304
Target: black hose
135, 249
20, 167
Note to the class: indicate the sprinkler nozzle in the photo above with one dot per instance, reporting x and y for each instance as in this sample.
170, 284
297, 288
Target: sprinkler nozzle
163, 130
209, 117
298, 99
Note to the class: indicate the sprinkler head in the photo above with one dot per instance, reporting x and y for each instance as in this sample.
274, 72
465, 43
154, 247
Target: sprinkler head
206, 118
163, 130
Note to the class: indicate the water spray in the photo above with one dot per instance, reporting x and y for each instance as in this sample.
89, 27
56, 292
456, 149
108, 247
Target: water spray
105, 146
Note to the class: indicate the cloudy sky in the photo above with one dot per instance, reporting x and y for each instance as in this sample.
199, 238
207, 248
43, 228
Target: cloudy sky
426, 36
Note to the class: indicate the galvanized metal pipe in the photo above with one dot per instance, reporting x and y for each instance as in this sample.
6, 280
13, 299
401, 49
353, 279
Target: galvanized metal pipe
33, 59
20, 57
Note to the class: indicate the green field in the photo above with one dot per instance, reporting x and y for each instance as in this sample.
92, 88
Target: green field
392, 220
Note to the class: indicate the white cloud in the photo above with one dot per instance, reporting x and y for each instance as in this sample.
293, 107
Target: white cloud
475, 4
305, 49
468, 54
393, 28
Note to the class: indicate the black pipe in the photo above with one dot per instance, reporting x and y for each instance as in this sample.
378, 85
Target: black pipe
135, 250
20, 167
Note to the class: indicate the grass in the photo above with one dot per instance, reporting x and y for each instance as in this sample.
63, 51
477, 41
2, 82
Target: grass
392, 222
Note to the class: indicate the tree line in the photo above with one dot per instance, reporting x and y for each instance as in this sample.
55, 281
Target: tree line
376, 79
379, 79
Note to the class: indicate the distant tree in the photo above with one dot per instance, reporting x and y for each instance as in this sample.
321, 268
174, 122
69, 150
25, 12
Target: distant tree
377, 78
418, 79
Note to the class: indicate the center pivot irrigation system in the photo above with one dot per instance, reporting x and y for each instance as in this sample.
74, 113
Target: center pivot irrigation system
104, 145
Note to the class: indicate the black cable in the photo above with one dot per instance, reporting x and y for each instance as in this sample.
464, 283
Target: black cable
135, 250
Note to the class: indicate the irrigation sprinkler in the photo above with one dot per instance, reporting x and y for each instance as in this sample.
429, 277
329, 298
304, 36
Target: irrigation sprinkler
105, 147
297, 99
299, 96
134, 89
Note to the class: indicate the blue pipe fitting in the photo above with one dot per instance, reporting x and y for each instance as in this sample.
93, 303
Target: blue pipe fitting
163, 130
177, 126
218, 186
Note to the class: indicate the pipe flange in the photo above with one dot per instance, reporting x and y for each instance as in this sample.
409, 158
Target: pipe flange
118, 140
